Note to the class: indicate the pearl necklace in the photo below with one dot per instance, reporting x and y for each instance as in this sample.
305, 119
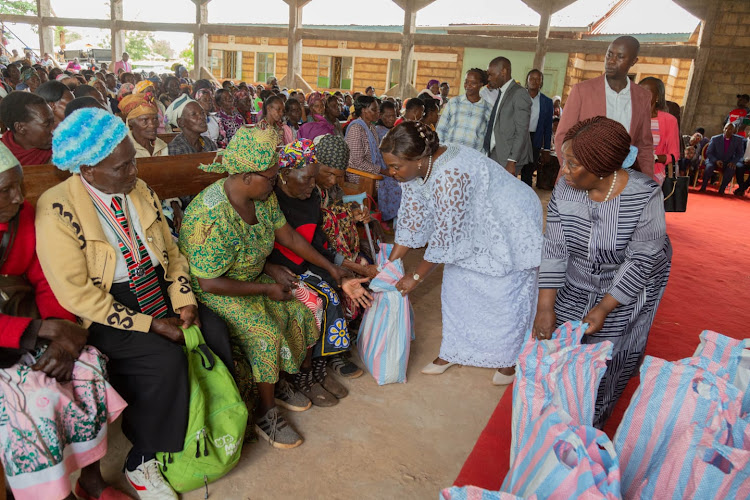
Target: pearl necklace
429, 171
611, 187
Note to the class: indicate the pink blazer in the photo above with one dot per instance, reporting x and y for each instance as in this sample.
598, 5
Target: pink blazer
669, 142
587, 100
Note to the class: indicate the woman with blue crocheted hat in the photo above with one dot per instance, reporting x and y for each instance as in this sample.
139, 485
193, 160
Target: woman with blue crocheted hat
110, 259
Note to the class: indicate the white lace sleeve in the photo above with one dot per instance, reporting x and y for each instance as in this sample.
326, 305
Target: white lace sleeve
415, 219
452, 238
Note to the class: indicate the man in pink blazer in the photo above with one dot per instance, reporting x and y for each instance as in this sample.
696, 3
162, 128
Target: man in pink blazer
613, 95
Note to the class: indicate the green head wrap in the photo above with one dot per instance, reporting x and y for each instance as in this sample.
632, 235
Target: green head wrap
250, 150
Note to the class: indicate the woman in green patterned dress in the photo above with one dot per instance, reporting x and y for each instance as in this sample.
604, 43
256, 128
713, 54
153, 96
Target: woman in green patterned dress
227, 232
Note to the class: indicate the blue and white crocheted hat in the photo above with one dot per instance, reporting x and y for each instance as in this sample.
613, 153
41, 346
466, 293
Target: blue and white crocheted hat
86, 137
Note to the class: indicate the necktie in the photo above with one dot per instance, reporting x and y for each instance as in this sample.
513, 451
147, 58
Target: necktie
143, 280
491, 124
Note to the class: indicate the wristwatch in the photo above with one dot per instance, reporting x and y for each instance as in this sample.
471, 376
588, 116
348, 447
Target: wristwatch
416, 277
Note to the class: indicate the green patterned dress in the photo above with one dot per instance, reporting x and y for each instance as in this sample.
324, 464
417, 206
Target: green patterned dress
272, 336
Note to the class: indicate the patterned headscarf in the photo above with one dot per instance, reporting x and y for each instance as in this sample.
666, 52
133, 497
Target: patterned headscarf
86, 137
332, 151
174, 111
297, 154
135, 105
27, 74
250, 150
141, 86
7, 160
314, 98
125, 89
201, 92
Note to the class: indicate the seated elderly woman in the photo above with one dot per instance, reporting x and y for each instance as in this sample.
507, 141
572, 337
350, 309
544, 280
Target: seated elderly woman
188, 115
328, 123
42, 408
142, 116
145, 87
300, 204
57, 95
228, 232
107, 252
230, 120
29, 121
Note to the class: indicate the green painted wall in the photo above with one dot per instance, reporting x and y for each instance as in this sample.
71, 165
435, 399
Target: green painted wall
555, 65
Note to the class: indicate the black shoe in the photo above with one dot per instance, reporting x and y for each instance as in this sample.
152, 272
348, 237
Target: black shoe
344, 368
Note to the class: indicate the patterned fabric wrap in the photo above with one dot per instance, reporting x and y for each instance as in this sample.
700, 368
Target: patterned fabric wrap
387, 326
307, 296
332, 151
297, 154
333, 328
559, 373
27, 74
125, 90
674, 413
250, 150
48, 430
86, 137
140, 87
560, 459
135, 105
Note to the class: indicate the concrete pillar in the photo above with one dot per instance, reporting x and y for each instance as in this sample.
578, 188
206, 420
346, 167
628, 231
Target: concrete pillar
405, 86
542, 35
294, 45
698, 70
117, 37
200, 40
46, 33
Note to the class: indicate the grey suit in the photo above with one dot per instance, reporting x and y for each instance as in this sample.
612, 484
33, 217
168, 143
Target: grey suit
511, 129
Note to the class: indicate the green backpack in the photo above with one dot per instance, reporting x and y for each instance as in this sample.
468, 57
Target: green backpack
216, 423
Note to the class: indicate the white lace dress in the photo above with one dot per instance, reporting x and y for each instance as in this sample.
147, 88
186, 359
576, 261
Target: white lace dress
486, 227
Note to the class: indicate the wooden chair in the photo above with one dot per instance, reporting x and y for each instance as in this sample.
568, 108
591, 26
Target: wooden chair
168, 176
366, 183
702, 167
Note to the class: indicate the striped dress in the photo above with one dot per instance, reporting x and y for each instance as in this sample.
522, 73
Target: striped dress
620, 248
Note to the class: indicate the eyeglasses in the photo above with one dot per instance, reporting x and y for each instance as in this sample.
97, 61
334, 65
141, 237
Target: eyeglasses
271, 180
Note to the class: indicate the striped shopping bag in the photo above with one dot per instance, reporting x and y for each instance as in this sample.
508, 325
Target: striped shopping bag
708, 470
387, 326
475, 493
558, 372
560, 459
731, 354
671, 398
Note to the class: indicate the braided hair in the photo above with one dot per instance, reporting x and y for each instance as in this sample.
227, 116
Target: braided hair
600, 145
411, 141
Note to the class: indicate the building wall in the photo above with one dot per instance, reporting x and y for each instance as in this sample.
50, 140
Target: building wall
521, 63
728, 71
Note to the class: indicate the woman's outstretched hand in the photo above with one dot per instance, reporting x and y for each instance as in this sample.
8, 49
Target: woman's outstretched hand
354, 290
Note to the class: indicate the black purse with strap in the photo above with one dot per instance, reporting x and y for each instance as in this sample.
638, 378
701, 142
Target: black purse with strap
675, 189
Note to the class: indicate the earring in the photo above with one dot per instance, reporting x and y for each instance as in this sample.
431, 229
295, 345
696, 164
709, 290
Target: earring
601, 178
283, 181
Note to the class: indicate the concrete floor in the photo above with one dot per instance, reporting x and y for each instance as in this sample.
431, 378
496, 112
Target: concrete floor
395, 441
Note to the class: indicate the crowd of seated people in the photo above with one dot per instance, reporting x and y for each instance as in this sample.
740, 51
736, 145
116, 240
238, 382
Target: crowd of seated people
268, 261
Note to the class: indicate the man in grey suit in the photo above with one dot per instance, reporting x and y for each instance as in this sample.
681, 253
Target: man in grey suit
507, 138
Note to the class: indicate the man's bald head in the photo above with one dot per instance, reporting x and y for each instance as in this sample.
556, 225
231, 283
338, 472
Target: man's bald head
632, 43
500, 63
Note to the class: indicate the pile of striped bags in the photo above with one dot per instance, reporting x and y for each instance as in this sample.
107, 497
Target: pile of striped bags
686, 433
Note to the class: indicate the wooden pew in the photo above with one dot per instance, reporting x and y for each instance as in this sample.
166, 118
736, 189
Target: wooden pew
168, 176
168, 137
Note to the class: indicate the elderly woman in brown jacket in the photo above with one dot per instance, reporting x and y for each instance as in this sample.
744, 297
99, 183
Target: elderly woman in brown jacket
106, 249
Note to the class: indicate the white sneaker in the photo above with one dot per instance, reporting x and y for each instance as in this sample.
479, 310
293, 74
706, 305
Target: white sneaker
149, 483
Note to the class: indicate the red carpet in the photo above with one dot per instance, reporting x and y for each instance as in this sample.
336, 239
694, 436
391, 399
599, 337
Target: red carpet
709, 289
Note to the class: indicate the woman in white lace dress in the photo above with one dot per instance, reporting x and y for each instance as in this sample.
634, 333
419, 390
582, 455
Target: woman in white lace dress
486, 227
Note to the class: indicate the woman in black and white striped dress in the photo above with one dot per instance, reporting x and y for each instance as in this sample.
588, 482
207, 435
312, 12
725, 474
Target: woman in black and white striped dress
606, 256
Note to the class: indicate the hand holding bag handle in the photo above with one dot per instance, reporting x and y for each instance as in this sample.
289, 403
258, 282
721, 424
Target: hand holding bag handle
194, 342
671, 175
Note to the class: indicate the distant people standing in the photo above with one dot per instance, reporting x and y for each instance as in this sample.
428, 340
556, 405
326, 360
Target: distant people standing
540, 124
464, 119
507, 138
123, 64
613, 95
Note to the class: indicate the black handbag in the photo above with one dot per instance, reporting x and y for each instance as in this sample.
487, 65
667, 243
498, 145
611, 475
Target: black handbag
675, 189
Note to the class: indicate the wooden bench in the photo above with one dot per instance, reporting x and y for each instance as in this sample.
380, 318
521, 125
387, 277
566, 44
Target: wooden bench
168, 176
168, 137
366, 184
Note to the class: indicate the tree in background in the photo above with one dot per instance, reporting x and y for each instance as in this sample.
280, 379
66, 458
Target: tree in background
18, 7
161, 47
136, 44
187, 56
66, 36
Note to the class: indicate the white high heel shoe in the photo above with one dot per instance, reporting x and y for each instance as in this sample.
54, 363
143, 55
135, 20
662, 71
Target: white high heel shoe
502, 379
433, 369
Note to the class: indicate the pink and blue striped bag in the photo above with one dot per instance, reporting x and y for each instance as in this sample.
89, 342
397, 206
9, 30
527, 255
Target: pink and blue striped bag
733, 356
559, 372
387, 327
476, 493
676, 407
561, 460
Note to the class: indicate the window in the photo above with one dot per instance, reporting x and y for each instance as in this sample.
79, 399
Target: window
394, 72
324, 72
229, 68
265, 66
217, 61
